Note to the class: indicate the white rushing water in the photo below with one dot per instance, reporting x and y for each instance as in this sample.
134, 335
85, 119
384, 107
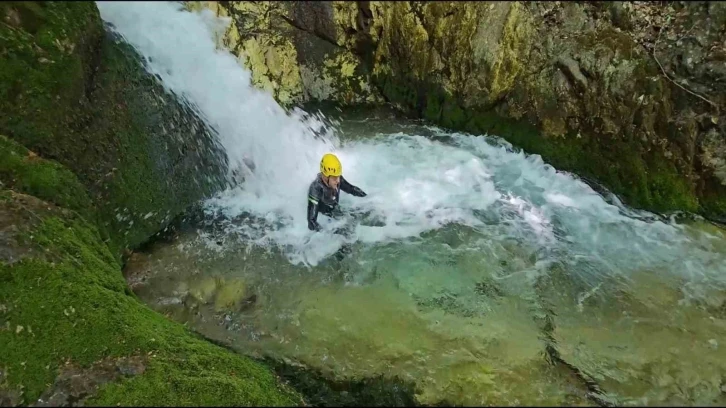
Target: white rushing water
414, 184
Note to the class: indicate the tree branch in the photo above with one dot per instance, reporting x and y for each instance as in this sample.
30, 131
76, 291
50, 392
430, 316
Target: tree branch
655, 49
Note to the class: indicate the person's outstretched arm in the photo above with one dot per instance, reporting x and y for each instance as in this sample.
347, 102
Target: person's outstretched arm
351, 189
313, 200
313, 216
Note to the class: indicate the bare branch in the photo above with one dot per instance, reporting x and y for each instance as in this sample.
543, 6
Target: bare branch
687, 32
655, 49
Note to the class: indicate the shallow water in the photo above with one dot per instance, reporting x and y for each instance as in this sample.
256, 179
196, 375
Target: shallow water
476, 272
466, 311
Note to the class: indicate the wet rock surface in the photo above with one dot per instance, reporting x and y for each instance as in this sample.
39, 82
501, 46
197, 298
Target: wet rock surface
640, 343
75, 384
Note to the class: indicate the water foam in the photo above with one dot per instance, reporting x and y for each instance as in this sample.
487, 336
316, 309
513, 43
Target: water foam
414, 184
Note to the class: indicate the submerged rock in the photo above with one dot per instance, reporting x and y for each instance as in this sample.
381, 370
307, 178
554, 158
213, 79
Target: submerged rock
204, 289
363, 332
640, 342
230, 295
377, 329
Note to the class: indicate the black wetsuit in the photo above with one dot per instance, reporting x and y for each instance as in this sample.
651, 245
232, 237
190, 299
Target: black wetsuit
324, 199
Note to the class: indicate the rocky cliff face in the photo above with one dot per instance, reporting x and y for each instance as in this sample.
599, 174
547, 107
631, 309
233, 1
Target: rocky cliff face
293, 52
628, 94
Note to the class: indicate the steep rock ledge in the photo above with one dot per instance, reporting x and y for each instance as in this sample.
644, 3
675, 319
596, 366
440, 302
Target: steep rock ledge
71, 92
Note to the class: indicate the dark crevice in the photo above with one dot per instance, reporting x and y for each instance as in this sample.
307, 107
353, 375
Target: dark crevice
594, 391
94, 66
553, 357
319, 391
313, 32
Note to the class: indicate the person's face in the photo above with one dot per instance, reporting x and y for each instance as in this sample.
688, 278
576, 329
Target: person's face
334, 181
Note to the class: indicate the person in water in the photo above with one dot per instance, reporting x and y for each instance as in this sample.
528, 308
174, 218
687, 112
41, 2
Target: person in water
324, 191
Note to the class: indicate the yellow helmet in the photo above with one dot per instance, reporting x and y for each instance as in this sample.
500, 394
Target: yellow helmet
330, 165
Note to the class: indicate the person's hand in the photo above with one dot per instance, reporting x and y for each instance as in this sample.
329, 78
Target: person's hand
358, 192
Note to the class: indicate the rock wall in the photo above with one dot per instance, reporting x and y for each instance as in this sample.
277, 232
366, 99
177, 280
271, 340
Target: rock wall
628, 94
292, 50
96, 158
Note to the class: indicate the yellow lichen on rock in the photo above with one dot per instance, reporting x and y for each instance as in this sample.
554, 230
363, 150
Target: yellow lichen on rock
345, 63
230, 294
404, 36
266, 51
337, 81
315, 86
553, 126
258, 40
195, 5
266, 42
514, 46
344, 17
452, 27
379, 10
203, 290
273, 67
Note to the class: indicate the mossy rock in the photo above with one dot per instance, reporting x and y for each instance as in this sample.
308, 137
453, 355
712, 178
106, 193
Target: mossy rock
714, 202
65, 302
26, 172
73, 93
593, 127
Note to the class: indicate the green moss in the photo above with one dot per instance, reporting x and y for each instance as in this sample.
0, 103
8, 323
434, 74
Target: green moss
44, 58
73, 304
42, 178
400, 93
452, 115
668, 189
199, 374
433, 108
713, 203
